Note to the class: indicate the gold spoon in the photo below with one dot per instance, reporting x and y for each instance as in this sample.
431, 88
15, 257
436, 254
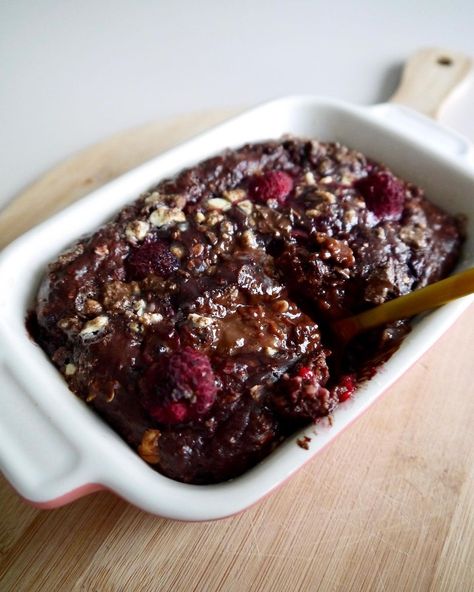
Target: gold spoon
432, 296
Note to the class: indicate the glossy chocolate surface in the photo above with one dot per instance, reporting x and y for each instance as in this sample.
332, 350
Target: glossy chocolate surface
244, 270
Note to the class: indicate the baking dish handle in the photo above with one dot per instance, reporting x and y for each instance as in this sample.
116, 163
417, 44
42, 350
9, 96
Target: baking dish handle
36, 457
430, 76
418, 126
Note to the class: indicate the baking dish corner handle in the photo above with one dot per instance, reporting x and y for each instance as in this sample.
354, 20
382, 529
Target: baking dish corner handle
36, 457
429, 78
418, 126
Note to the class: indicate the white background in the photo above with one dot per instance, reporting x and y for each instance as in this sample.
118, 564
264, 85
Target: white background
75, 71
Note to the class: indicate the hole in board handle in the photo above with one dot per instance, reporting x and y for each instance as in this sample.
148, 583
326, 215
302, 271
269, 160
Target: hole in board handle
444, 61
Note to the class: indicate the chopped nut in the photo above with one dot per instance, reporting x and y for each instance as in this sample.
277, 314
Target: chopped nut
137, 231
139, 307
176, 200
211, 237
148, 448
69, 255
270, 351
154, 198
309, 178
117, 294
234, 293
325, 166
69, 324
347, 179
327, 197
350, 216
151, 318
227, 228
101, 250
246, 206
94, 326
249, 240
217, 203
112, 388
200, 217
70, 369
165, 216
135, 327
177, 250
281, 306
214, 218
201, 321
92, 307
303, 442
234, 195
257, 391
360, 203
313, 213
326, 180
197, 249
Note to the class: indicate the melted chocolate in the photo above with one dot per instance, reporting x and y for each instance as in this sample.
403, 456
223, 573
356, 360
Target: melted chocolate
252, 284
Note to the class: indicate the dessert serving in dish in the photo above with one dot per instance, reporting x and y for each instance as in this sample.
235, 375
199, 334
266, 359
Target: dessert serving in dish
197, 321
53, 448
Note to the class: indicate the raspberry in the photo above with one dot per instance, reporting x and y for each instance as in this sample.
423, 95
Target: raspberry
179, 387
305, 373
383, 193
302, 395
151, 258
271, 185
345, 388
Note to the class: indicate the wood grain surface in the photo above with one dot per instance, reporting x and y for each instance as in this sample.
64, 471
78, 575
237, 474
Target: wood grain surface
389, 506
429, 77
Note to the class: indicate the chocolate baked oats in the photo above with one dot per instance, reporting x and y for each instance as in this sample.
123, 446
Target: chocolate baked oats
196, 322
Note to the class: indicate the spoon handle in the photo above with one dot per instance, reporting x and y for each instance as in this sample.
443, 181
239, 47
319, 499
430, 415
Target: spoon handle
455, 286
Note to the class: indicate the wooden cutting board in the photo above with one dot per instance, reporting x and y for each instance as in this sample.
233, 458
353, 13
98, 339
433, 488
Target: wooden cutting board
389, 506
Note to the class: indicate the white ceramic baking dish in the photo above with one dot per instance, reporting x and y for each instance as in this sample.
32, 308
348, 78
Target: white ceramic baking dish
53, 449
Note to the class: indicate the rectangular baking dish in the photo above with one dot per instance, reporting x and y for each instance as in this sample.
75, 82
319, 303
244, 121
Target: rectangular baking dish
54, 449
